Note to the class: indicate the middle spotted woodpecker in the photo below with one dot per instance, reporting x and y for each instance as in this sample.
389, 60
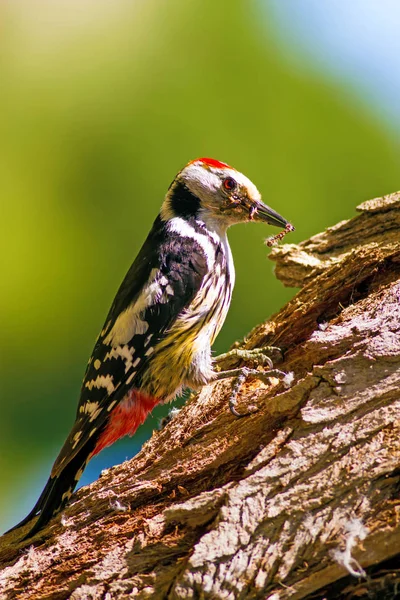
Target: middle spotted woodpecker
158, 333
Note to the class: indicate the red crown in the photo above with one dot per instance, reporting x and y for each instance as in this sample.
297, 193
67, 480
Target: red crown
211, 162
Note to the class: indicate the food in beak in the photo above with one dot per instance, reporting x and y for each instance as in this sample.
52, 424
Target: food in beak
274, 239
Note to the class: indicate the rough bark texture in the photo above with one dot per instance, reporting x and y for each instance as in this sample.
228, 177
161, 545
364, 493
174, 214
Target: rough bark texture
298, 500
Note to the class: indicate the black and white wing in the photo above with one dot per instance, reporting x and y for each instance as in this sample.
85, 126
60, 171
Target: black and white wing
161, 283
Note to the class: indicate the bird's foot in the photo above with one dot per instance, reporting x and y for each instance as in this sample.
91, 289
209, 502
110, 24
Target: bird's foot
241, 374
267, 355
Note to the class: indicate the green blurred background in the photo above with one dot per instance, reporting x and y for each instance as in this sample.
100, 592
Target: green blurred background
101, 104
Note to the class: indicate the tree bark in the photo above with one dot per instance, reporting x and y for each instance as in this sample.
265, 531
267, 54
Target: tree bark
300, 499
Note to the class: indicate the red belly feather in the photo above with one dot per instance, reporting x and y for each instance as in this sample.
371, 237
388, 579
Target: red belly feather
125, 418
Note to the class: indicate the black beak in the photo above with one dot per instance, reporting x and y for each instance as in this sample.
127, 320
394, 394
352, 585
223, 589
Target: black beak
261, 212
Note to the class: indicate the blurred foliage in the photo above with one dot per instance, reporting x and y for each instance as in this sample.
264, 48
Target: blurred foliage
101, 104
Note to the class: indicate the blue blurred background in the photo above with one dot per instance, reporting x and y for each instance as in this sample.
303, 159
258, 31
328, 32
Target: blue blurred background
101, 104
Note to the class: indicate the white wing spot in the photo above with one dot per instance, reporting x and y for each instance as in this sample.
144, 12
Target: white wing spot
97, 364
76, 439
126, 326
106, 328
95, 415
101, 381
90, 407
66, 495
163, 280
131, 376
130, 322
137, 361
78, 475
169, 290
149, 351
111, 405
126, 352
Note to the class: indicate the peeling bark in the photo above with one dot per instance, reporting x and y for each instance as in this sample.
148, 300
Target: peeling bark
300, 499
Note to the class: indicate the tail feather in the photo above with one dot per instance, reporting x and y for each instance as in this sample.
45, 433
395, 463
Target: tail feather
73, 458
56, 493
36, 509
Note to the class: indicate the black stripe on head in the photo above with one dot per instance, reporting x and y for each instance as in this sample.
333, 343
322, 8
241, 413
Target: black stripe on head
183, 202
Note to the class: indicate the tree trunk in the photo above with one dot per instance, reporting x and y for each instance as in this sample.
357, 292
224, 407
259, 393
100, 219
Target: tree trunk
298, 500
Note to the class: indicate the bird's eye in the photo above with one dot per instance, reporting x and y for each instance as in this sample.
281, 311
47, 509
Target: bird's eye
229, 184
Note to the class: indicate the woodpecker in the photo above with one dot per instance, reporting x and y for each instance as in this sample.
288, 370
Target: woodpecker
158, 334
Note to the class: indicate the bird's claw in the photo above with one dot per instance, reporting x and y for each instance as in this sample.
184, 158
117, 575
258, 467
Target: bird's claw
266, 356
241, 374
